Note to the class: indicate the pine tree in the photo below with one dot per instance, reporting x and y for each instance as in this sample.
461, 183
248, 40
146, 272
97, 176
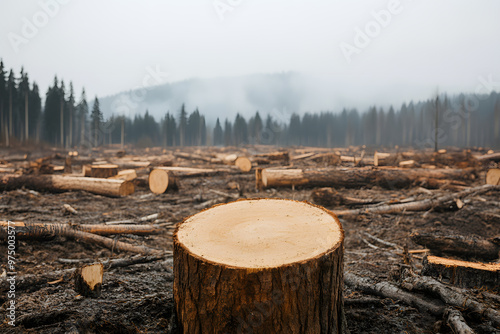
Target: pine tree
228, 133
12, 92
24, 90
71, 111
3, 100
96, 119
52, 113
218, 134
83, 111
182, 125
35, 111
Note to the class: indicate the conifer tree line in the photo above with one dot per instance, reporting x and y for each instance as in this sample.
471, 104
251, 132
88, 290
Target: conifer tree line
465, 120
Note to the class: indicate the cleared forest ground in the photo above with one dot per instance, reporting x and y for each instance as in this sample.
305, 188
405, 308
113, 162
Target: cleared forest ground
137, 298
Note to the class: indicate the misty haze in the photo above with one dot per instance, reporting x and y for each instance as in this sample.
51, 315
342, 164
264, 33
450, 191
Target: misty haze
232, 166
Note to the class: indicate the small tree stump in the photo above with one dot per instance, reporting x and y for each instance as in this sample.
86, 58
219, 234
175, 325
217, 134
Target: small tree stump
88, 280
261, 266
103, 171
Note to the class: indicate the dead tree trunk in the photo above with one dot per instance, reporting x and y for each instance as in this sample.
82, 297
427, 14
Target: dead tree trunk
58, 183
356, 177
261, 266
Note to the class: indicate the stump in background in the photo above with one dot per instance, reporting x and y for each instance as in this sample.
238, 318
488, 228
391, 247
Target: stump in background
261, 265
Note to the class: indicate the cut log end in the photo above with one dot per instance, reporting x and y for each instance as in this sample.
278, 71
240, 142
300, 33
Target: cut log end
126, 188
243, 163
256, 250
493, 177
88, 280
158, 181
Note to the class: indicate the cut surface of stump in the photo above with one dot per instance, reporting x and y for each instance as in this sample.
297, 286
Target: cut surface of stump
262, 265
88, 280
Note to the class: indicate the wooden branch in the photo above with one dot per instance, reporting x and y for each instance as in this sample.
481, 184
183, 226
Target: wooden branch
387, 290
41, 230
452, 296
489, 157
457, 322
422, 205
468, 246
37, 230
59, 183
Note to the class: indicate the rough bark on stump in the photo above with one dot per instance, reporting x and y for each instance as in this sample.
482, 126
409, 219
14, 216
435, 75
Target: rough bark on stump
265, 293
103, 171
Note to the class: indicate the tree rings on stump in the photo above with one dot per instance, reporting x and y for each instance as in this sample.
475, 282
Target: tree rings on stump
259, 265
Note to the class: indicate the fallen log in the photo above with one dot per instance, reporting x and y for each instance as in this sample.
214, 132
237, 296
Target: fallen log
88, 280
423, 205
463, 273
331, 197
493, 177
456, 321
160, 180
37, 230
243, 163
245, 254
384, 159
388, 290
60, 183
33, 230
489, 157
355, 177
275, 156
452, 296
465, 246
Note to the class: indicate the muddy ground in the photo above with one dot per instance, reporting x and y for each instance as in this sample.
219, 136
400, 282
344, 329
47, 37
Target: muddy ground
138, 298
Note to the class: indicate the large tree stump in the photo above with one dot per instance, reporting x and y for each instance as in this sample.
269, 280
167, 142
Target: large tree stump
261, 266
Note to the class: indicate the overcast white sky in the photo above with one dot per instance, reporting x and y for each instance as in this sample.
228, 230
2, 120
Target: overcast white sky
107, 46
